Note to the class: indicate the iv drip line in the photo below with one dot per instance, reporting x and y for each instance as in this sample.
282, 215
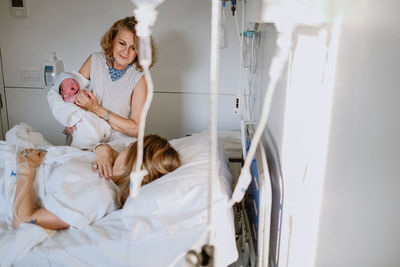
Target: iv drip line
278, 62
146, 16
214, 66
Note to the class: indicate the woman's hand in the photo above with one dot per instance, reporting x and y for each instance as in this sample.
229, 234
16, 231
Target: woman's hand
29, 159
88, 101
104, 160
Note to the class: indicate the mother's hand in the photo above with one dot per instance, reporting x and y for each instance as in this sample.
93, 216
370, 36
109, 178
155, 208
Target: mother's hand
104, 160
88, 101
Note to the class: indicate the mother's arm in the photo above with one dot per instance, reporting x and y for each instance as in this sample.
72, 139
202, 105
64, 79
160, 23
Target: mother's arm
25, 209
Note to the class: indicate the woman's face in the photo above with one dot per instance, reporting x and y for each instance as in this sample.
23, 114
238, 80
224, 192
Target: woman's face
124, 50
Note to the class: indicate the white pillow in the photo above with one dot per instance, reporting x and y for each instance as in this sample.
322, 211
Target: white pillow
178, 202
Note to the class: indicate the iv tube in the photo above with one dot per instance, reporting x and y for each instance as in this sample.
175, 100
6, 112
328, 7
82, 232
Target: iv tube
214, 66
146, 15
223, 42
278, 62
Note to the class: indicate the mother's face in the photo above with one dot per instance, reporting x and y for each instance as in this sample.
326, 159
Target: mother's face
124, 50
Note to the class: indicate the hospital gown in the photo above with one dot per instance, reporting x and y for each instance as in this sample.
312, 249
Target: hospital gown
64, 184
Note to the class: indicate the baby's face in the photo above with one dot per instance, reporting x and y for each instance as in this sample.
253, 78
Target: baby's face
69, 89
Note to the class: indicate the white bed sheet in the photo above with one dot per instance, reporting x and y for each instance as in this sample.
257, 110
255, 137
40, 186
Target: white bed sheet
166, 220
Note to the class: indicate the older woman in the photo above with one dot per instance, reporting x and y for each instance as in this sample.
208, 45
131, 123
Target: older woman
74, 197
119, 87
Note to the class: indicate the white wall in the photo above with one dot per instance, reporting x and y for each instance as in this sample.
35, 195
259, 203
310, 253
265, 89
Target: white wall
360, 215
73, 30
339, 150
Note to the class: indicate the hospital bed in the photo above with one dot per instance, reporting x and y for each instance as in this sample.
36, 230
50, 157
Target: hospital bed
168, 219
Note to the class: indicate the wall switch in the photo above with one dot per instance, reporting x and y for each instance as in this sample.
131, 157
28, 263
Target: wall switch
19, 8
28, 74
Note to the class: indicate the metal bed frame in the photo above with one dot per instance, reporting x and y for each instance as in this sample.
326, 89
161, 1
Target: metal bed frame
260, 212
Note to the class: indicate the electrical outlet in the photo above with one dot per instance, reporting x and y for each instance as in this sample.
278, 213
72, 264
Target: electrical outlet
30, 74
238, 105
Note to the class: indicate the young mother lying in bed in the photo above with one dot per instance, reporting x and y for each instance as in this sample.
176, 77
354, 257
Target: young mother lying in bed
93, 197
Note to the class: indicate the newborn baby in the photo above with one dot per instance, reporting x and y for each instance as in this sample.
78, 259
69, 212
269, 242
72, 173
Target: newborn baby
91, 129
69, 89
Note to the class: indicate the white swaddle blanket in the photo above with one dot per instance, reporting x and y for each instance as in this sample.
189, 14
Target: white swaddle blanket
91, 130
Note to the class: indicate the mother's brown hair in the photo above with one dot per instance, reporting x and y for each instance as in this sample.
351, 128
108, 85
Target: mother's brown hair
128, 24
159, 158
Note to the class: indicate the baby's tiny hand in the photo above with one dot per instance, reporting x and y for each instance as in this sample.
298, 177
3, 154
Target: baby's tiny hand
70, 130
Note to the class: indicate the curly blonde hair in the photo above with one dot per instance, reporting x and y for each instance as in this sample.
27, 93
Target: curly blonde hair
159, 158
128, 24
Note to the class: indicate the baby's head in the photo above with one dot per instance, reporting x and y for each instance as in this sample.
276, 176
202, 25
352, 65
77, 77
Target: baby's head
69, 89
68, 85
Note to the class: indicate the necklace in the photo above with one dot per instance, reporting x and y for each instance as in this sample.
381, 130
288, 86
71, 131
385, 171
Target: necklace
116, 74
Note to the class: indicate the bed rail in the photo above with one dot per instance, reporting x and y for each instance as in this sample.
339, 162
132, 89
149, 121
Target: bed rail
263, 203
